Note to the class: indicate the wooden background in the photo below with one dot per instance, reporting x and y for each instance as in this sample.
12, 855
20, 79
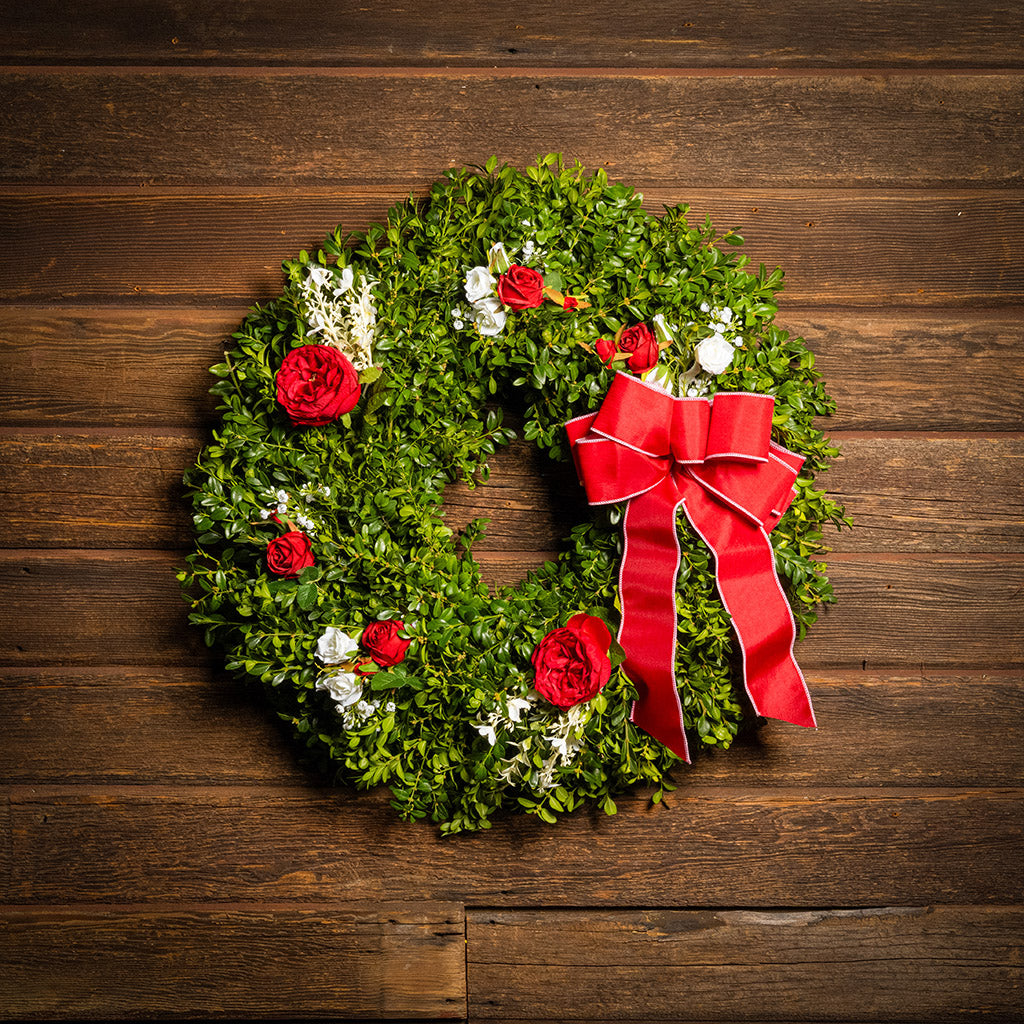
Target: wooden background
162, 854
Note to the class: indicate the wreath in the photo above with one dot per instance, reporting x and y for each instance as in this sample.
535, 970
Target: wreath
324, 567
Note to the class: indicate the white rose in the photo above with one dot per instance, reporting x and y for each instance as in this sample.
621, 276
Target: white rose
479, 284
344, 688
336, 646
489, 317
714, 354
497, 258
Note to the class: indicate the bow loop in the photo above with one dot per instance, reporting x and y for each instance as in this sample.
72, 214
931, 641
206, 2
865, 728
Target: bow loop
691, 420
740, 426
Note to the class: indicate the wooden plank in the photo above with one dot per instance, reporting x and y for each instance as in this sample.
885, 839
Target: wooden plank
172, 725
836, 247
271, 961
894, 611
143, 367
459, 33
710, 129
886, 963
712, 847
164, 725
102, 489
929, 371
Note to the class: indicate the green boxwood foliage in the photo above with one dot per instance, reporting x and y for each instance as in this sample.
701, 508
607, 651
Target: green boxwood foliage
431, 413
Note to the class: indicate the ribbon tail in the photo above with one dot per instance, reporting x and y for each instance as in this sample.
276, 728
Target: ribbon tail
753, 596
647, 591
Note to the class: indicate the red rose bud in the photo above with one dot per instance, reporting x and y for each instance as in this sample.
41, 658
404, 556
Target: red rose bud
289, 554
382, 642
642, 345
605, 351
570, 302
571, 664
316, 384
521, 287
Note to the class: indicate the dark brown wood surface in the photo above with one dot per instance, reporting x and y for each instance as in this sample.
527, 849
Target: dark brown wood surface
164, 852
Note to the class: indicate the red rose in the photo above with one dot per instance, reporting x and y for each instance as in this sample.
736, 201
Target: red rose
316, 384
641, 342
289, 554
383, 644
571, 664
521, 287
570, 303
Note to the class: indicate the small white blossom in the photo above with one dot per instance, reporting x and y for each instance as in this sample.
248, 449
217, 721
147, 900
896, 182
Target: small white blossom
486, 729
344, 282
560, 745
705, 308
319, 276
661, 329
336, 646
497, 259
725, 315
516, 707
265, 513
660, 377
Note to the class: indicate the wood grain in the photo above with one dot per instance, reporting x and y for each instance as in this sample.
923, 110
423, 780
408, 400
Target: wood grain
457, 33
193, 246
172, 725
722, 130
713, 847
101, 489
164, 852
144, 367
329, 961
123, 608
897, 964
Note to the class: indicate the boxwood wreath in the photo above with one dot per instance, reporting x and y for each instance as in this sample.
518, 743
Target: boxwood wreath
324, 567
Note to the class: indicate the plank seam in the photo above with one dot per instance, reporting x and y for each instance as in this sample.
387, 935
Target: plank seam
491, 71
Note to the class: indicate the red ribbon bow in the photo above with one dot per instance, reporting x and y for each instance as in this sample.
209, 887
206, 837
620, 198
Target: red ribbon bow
715, 457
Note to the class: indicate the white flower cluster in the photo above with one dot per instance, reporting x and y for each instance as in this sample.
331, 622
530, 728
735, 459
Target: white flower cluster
555, 734
485, 313
344, 687
339, 307
504, 717
280, 502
